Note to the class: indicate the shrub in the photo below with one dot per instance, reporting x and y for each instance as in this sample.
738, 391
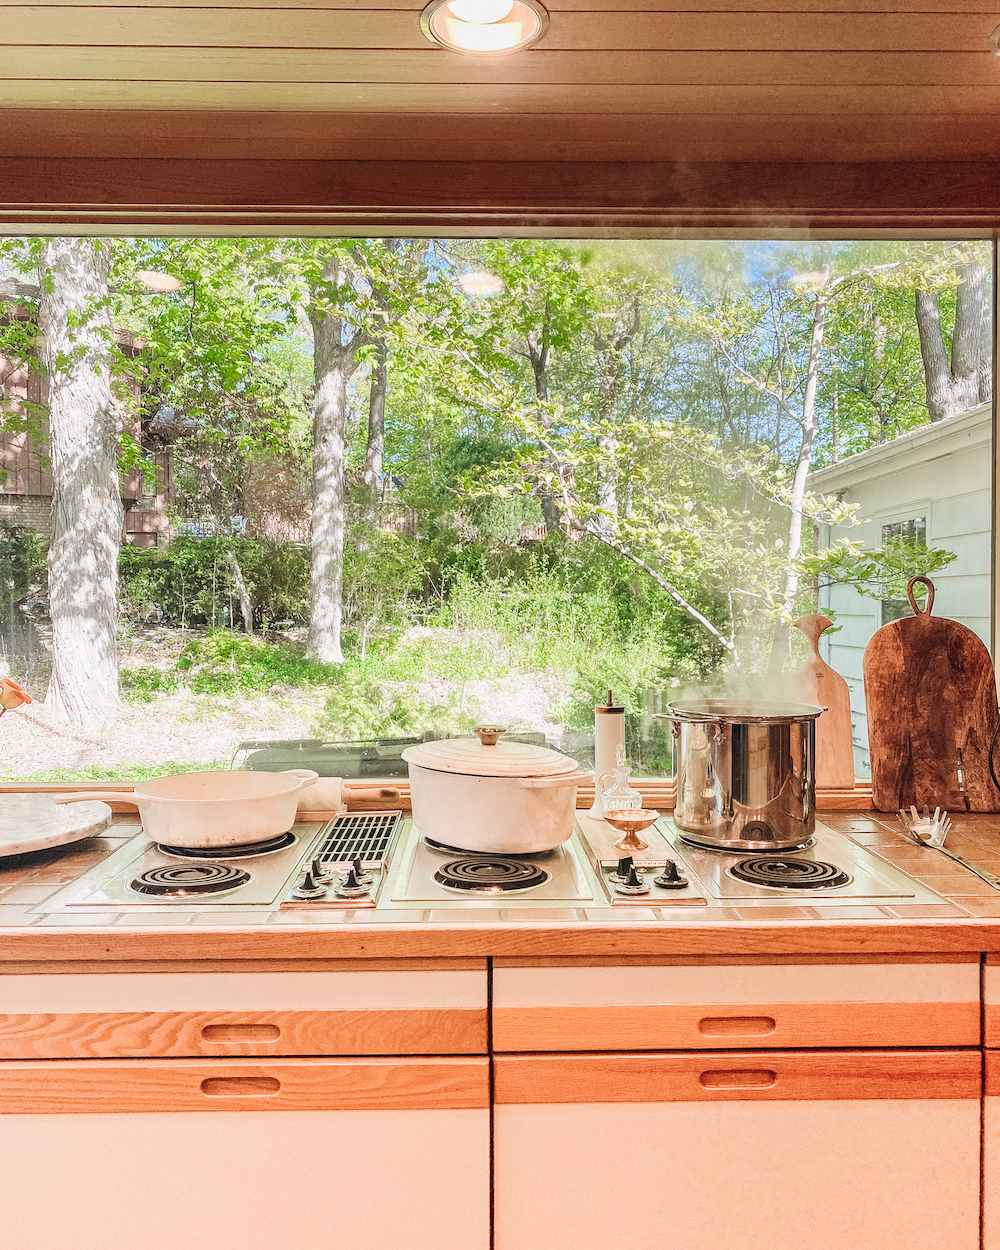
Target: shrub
360, 706
142, 685
225, 662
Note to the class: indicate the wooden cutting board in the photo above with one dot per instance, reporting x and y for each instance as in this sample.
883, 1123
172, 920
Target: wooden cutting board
816, 682
931, 696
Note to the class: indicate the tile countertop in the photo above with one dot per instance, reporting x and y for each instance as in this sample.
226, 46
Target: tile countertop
968, 921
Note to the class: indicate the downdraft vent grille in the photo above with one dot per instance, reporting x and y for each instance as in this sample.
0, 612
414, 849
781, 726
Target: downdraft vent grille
359, 835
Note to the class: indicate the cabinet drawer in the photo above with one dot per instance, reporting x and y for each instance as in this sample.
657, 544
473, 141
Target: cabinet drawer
653, 1007
781, 1076
855, 1150
209, 1014
142, 1085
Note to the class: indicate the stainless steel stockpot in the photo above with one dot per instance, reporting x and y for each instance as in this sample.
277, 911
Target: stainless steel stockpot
746, 772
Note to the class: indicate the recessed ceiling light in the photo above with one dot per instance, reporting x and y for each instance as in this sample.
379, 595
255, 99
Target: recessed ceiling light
484, 26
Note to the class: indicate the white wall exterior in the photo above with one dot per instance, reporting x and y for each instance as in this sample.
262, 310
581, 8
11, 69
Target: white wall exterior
942, 472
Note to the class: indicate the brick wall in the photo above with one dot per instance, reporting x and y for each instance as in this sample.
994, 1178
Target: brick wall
32, 511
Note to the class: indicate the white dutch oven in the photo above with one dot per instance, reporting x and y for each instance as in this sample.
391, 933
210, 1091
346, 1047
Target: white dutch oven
494, 797
212, 808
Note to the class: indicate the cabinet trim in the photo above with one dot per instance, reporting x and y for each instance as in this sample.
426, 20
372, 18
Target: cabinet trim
120, 1086
103, 967
592, 1078
155, 1034
656, 1026
726, 960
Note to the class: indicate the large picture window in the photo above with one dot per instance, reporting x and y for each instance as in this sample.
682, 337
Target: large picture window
300, 502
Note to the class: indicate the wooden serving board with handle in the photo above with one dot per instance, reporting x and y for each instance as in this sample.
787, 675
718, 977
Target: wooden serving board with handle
816, 682
931, 696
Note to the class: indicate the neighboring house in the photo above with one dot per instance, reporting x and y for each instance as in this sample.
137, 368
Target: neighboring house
26, 490
934, 485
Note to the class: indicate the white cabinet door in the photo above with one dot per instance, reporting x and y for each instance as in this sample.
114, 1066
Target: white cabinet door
378, 1161
761, 1151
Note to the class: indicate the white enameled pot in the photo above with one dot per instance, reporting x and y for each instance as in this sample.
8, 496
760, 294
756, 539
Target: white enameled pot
212, 808
493, 797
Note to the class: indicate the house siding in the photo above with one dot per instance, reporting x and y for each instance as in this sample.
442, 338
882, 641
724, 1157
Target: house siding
944, 474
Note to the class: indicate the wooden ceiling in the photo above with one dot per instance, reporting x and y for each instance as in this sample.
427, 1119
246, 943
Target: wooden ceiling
700, 104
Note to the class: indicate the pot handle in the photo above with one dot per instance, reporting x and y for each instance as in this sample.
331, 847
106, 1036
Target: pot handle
102, 796
307, 773
550, 783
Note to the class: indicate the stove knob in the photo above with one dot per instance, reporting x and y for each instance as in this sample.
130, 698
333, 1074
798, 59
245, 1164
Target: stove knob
350, 886
633, 884
623, 869
365, 878
670, 878
308, 887
320, 872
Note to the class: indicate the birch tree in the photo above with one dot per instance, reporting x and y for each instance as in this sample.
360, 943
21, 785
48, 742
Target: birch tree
336, 343
84, 423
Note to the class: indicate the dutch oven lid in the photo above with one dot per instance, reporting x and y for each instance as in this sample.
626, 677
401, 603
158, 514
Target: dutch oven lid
741, 711
485, 756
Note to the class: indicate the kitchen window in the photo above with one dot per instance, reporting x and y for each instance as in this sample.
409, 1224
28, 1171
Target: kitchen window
570, 465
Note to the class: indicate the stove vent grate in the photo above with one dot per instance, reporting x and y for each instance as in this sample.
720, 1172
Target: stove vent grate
359, 835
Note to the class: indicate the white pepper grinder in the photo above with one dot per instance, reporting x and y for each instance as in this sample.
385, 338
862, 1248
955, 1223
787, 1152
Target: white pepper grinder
609, 738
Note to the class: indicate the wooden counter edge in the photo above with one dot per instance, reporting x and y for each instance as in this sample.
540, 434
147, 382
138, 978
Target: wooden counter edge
423, 940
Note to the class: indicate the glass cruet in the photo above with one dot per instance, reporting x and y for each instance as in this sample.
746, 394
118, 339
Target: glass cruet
616, 793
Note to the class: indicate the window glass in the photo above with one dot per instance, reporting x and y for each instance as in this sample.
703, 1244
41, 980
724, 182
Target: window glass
303, 502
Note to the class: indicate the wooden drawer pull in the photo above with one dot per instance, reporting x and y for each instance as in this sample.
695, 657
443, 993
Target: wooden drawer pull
736, 1026
739, 1078
241, 1086
241, 1033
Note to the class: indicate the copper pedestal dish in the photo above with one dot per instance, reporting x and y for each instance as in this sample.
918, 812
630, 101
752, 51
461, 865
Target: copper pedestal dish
631, 822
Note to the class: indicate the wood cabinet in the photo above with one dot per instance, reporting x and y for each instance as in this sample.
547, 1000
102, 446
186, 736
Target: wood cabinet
738, 1151
156, 1154
924, 1001
440, 1010
179, 1106
713, 1131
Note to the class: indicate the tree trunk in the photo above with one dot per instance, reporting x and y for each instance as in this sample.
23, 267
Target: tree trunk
810, 427
242, 589
607, 482
958, 384
540, 356
334, 361
86, 501
375, 449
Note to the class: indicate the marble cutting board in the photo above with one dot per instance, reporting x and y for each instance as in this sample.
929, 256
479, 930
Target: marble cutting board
32, 822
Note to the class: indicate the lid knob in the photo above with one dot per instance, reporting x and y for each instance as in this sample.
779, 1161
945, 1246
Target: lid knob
488, 734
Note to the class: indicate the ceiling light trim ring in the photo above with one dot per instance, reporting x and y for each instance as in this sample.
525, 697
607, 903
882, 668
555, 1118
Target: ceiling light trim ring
435, 30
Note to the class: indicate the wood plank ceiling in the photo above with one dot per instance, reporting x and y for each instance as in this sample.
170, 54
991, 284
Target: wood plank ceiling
614, 83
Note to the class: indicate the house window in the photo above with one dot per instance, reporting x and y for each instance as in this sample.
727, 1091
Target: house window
912, 533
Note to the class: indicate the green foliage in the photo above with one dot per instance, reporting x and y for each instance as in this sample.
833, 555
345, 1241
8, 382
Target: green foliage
22, 562
190, 582
142, 685
360, 706
880, 574
228, 663
128, 773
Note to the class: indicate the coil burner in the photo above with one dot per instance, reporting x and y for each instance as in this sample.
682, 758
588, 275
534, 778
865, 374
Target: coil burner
776, 873
242, 851
490, 874
182, 880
